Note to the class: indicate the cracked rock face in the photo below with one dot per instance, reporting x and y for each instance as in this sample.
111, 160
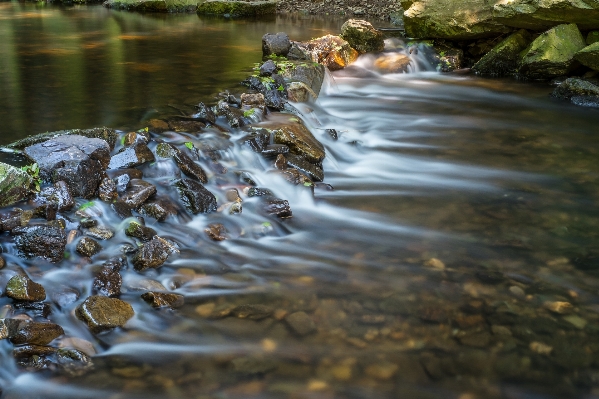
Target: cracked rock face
78, 161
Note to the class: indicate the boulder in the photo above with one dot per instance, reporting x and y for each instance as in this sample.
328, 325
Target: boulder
153, 5
77, 160
574, 87
101, 313
277, 44
15, 185
235, 8
451, 19
22, 288
30, 332
362, 36
195, 196
153, 254
104, 133
129, 157
331, 51
43, 241
543, 14
589, 56
552, 53
503, 58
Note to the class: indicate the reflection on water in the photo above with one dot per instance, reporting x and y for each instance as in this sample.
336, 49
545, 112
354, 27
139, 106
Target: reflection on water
62, 68
456, 257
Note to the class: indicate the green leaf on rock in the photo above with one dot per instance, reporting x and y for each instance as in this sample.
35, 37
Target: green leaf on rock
87, 205
189, 145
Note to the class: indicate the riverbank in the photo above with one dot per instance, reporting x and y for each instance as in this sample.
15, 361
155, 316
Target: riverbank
372, 9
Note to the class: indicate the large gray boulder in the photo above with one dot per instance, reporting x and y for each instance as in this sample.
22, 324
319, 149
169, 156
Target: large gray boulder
471, 19
552, 53
503, 58
79, 161
451, 19
14, 185
589, 56
543, 14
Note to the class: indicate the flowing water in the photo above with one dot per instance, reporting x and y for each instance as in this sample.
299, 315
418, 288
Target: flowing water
458, 221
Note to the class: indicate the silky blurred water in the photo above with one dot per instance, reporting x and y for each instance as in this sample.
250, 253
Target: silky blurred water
456, 210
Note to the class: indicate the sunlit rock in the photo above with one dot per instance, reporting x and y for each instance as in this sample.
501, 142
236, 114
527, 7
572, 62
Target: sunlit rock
392, 63
552, 53
331, 51
362, 36
543, 14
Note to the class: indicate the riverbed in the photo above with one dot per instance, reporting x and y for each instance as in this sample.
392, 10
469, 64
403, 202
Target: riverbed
451, 252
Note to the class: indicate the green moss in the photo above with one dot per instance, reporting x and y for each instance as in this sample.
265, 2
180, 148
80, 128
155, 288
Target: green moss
589, 56
503, 58
552, 53
237, 8
14, 184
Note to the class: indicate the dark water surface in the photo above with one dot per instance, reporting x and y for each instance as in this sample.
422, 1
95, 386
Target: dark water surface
456, 257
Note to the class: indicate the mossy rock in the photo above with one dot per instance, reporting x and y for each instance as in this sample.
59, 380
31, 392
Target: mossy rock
153, 5
14, 185
552, 53
503, 58
237, 8
589, 56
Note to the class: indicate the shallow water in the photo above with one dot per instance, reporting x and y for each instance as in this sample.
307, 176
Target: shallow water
462, 209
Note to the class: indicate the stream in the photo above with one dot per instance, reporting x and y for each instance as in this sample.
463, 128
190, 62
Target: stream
451, 252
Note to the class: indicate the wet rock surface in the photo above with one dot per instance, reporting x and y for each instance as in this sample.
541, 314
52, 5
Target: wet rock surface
108, 281
162, 299
128, 157
153, 254
41, 241
88, 247
78, 161
14, 185
22, 288
102, 313
195, 196
30, 332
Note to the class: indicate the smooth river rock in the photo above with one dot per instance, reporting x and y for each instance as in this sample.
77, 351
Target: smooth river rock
22, 288
153, 254
101, 313
195, 197
30, 332
362, 36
